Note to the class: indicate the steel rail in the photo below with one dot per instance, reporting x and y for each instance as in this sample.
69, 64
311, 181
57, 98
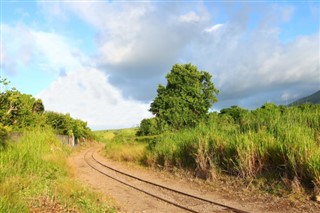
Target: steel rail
160, 186
141, 190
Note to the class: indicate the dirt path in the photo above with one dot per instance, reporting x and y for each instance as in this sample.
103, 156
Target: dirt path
131, 200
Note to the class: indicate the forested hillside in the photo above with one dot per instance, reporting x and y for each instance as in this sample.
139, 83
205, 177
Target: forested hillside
313, 99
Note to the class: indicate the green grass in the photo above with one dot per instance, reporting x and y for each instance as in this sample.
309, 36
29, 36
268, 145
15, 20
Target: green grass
263, 143
34, 176
104, 135
124, 145
271, 146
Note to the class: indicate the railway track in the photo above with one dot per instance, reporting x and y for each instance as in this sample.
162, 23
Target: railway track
177, 198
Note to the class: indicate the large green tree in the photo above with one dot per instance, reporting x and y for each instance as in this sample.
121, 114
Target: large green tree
186, 98
16, 109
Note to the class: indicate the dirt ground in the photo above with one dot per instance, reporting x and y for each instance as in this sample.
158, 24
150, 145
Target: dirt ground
131, 200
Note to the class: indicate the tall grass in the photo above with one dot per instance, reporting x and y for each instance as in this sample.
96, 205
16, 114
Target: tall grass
34, 177
122, 145
277, 141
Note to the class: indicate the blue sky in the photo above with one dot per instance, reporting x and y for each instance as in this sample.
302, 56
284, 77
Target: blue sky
101, 61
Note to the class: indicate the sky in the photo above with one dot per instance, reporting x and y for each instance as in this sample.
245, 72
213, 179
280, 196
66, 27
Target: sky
102, 61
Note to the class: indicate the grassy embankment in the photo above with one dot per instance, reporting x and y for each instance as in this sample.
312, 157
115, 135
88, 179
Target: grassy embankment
264, 146
34, 177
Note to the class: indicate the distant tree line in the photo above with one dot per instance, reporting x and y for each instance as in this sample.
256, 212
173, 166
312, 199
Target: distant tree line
19, 111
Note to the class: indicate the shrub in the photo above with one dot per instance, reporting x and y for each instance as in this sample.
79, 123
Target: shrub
4, 134
149, 126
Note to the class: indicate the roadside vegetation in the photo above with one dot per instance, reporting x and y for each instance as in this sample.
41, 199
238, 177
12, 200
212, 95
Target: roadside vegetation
276, 143
34, 175
124, 145
271, 145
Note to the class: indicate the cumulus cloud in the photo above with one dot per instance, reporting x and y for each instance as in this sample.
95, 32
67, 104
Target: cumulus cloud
56, 53
252, 65
88, 95
50, 51
254, 62
137, 43
80, 90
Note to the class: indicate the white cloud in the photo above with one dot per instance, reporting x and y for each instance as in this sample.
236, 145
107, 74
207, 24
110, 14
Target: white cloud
56, 52
190, 17
214, 28
137, 43
49, 51
248, 63
83, 92
87, 94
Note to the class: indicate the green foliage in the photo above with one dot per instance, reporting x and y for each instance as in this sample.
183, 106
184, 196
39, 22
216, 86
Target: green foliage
19, 111
270, 141
64, 124
4, 134
235, 112
185, 100
38, 107
149, 127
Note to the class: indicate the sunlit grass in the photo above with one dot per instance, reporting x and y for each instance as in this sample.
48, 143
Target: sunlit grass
267, 144
121, 145
34, 176
104, 135
264, 145
133, 152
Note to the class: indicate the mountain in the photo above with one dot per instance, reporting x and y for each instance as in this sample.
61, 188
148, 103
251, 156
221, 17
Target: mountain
314, 99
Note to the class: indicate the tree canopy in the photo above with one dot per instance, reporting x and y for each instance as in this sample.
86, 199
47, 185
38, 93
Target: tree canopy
19, 111
186, 98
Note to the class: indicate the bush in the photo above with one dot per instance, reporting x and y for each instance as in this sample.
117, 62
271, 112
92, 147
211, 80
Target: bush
4, 135
148, 127
64, 124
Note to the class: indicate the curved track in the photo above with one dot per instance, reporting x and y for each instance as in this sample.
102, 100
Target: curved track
179, 199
